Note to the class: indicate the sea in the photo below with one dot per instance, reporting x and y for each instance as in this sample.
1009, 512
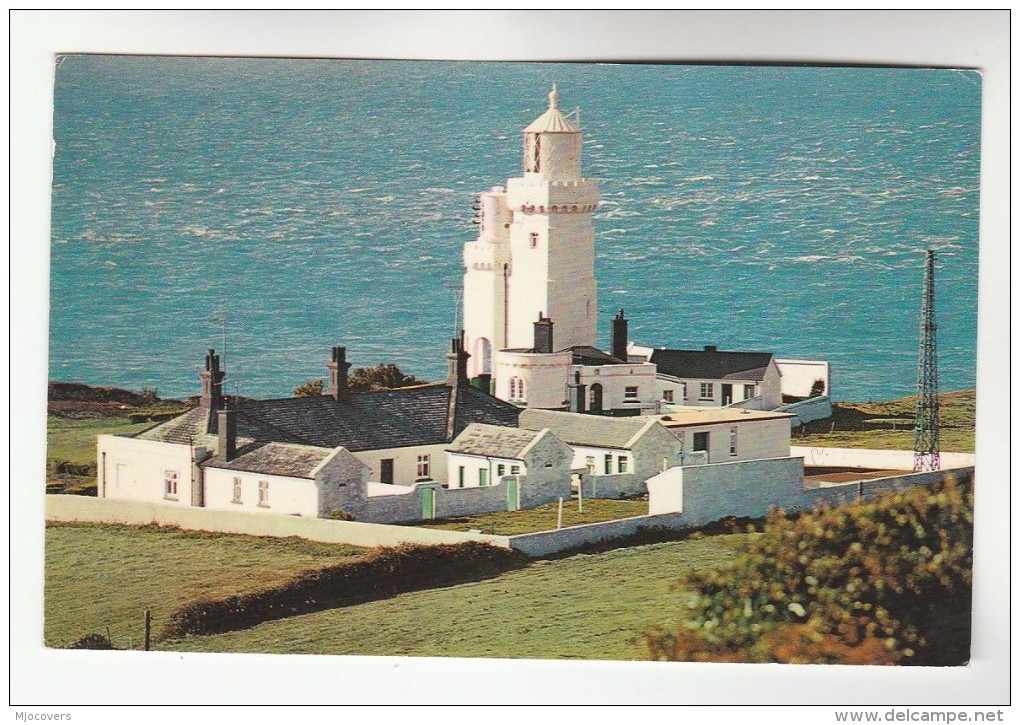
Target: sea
272, 208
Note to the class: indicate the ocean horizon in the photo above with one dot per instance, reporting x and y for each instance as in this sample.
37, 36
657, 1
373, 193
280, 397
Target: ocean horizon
285, 206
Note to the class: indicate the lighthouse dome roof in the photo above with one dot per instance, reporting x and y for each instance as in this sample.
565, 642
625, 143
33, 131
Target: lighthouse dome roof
553, 120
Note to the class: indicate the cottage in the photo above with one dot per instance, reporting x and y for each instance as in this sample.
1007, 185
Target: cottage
209, 455
713, 377
612, 456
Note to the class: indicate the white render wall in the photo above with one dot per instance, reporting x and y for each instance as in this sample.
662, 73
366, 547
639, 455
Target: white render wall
405, 462
544, 375
756, 439
287, 496
473, 464
131, 469
871, 458
799, 375
615, 379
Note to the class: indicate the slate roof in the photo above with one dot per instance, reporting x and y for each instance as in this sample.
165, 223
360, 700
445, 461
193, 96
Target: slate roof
277, 459
588, 355
712, 364
365, 421
496, 441
578, 429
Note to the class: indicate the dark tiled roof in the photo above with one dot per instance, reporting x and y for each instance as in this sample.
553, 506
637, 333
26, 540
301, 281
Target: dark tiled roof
365, 421
496, 441
712, 364
277, 459
579, 429
588, 355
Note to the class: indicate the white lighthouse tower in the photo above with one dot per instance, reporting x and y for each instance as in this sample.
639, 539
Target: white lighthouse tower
535, 255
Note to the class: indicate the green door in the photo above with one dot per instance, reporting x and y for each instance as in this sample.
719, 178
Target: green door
428, 503
513, 501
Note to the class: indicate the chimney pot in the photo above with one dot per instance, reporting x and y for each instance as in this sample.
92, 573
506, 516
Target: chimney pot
711, 348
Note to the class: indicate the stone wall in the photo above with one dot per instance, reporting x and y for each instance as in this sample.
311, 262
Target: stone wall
549, 542
85, 508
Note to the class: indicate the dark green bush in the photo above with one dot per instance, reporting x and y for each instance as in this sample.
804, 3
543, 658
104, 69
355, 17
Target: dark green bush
882, 582
385, 572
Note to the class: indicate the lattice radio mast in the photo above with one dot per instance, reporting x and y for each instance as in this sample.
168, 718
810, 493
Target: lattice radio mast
926, 425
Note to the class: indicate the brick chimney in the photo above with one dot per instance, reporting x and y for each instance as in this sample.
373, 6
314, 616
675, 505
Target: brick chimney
711, 348
543, 334
619, 349
456, 362
212, 389
227, 434
338, 367
576, 395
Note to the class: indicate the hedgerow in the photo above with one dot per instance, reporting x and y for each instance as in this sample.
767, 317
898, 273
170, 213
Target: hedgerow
885, 582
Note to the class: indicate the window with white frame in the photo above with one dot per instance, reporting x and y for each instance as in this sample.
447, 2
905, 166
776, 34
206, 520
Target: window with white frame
733, 441
608, 463
516, 388
237, 491
630, 393
621, 464
264, 493
707, 391
483, 477
667, 395
170, 484
500, 469
514, 470
748, 392
424, 465
589, 463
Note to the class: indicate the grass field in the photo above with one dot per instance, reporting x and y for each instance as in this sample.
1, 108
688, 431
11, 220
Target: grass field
870, 425
100, 576
75, 440
581, 607
543, 518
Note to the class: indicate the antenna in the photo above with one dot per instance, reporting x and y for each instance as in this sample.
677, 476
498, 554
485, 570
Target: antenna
458, 290
926, 425
222, 319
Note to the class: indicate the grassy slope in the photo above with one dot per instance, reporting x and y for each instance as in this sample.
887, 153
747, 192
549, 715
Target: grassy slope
584, 606
543, 518
854, 425
100, 576
75, 440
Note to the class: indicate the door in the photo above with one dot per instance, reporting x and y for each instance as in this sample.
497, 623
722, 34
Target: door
727, 393
428, 503
513, 499
386, 470
595, 398
701, 443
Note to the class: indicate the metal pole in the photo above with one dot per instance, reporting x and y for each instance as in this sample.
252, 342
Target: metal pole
148, 629
580, 497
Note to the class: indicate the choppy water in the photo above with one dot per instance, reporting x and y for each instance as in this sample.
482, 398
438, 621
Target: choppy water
316, 203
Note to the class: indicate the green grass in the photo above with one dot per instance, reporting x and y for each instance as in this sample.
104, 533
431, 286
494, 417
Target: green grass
100, 575
75, 440
581, 607
543, 518
858, 425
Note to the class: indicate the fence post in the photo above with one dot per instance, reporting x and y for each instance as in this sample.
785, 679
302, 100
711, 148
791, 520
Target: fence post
580, 497
559, 515
148, 629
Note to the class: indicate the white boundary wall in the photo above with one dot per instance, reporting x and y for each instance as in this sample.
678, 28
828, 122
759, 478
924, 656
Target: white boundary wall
87, 508
873, 458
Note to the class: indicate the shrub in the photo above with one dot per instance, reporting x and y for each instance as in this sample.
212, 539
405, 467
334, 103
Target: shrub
382, 573
92, 641
879, 583
817, 388
341, 515
309, 389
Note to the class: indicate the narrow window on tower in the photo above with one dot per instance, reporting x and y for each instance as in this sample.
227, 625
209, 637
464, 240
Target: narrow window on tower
587, 308
534, 239
538, 154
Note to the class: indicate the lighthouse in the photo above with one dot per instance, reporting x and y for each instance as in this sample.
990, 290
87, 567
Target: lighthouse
534, 259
